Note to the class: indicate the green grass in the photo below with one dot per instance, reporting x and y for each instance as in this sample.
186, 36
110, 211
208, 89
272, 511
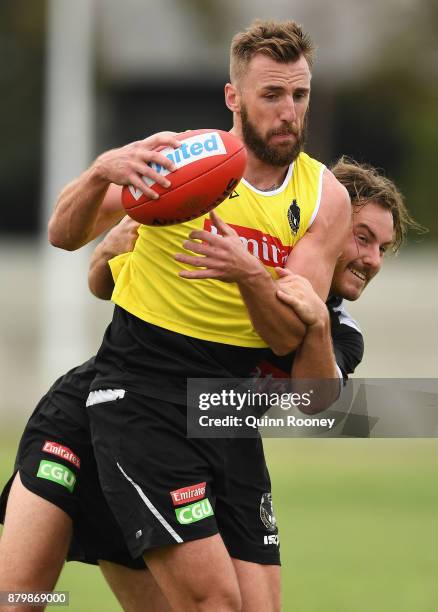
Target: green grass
358, 524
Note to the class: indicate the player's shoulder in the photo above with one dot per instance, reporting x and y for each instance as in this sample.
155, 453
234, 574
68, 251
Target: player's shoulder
348, 342
334, 213
305, 160
76, 381
334, 192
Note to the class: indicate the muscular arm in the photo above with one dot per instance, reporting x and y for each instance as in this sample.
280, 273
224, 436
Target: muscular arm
91, 204
314, 364
332, 347
86, 207
315, 357
314, 367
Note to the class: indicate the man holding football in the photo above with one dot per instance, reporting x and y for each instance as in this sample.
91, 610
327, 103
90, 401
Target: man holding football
173, 329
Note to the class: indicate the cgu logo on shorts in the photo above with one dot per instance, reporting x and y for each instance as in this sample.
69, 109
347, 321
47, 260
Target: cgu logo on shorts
195, 512
191, 150
268, 249
57, 473
61, 451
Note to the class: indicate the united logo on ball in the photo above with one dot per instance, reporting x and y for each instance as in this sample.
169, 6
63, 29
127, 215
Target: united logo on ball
209, 165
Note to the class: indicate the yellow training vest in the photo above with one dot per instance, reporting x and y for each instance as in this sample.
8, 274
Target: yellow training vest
268, 223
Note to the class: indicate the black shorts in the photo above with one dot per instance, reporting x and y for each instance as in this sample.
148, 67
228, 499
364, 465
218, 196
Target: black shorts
56, 462
164, 488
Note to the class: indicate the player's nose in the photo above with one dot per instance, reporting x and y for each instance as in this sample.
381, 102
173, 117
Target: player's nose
373, 258
288, 110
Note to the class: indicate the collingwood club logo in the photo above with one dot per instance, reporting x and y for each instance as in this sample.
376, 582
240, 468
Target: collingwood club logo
293, 216
267, 515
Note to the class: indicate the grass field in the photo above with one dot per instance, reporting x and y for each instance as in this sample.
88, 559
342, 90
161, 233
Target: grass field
358, 523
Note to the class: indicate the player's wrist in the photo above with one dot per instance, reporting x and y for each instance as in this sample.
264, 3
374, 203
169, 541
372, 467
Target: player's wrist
321, 326
98, 172
104, 252
252, 273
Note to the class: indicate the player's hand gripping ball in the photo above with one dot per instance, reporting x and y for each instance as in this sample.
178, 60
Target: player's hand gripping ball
209, 164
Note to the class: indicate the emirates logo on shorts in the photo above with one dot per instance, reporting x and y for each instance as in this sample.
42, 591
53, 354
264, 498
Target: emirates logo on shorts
61, 451
188, 494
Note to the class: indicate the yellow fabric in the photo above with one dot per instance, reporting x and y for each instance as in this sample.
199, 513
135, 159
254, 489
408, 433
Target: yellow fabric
148, 285
116, 264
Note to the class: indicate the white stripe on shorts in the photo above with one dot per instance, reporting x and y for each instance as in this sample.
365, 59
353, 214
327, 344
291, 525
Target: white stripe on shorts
151, 507
104, 395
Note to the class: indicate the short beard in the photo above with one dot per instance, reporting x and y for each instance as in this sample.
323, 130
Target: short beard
273, 155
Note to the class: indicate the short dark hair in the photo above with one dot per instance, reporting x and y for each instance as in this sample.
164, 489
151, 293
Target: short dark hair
283, 41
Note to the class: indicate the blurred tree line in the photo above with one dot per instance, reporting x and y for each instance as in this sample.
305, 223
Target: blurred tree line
387, 117
22, 38
390, 116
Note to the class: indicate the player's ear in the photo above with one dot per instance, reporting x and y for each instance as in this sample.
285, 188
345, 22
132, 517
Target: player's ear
232, 98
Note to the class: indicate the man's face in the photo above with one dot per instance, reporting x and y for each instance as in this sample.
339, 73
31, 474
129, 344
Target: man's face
274, 99
362, 257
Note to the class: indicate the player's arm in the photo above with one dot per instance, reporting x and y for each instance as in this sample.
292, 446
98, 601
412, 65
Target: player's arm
314, 358
91, 204
314, 365
121, 239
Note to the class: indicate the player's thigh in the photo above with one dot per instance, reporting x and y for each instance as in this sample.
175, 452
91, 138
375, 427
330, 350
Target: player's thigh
196, 576
160, 486
134, 588
260, 586
34, 541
